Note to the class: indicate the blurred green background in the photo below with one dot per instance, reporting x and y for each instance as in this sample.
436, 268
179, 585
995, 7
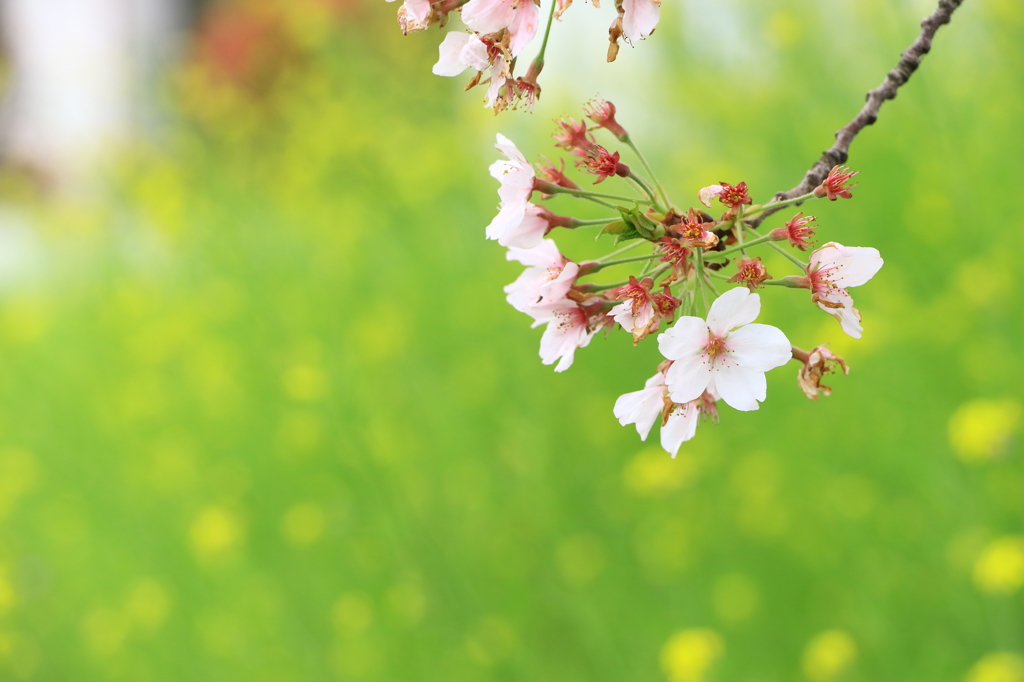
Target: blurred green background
265, 414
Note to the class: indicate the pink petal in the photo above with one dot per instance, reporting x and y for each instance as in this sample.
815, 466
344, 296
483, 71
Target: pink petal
732, 309
706, 194
448, 62
528, 233
759, 346
556, 289
507, 219
488, 16
524, 27
741, 387
640, 18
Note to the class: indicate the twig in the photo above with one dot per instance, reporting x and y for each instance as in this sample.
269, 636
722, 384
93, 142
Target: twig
838, 154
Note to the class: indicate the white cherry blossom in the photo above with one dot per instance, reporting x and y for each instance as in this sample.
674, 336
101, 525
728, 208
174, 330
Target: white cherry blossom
679, 422
726, 353
567, 329
547, 279
639, 18
460, 51
520, 17
832, 269
516, 177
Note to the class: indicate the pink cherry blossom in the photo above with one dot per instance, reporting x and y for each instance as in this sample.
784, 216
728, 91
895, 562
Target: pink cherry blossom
460, 51
520, 228
726, 353
639, 18
679, 422
568, 328
547, 279
832, 269
520, 17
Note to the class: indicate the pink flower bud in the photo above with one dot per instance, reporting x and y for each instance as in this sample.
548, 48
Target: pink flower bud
602, 112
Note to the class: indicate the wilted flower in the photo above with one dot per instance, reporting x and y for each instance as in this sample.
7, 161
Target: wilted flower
817, 362
798, 231
556, 175
695, 233
726, 353
413, 15
751, 272
833, 186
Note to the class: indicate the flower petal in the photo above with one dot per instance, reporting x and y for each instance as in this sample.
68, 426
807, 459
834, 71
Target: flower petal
732, 309
759, 346
641, 407
687, 378
474, 54
640, 17
528, 233
488, 16
508, 218
544, 255
680, 427
854, 265
706, 194
523, 27
449, 52
688, 336
741, 387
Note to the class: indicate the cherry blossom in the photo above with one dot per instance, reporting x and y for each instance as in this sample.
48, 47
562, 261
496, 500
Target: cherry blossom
751, 272
568, 328
832, 269
413, 15
602, 113
678, 421
520, 17
516, 177
726, 352
460, 51
834, 186
602, 163
694, 232
547, 279
639, 18
798, 232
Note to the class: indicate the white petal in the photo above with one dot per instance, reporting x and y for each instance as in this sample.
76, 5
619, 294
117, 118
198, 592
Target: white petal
419, 10
741, 387
474, 54
687, 378
732, 309
524, 27
556, 289
449, 51
488, 16
640, 18
854, 265
849, 319
641, 407
706, 194
759, 346
510, 216
509, 149
687, 336
544, 255
680, 427
528, 233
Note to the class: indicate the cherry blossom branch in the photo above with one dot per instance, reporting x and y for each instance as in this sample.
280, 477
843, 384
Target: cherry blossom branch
838, 154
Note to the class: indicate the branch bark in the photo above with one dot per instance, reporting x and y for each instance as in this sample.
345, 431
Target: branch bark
839, 152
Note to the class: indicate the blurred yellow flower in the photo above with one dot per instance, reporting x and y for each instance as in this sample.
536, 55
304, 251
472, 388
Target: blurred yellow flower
828, 655
982, 429
214, 531
997, 667
352, 613
303, 524
999, 569
652, 472
689, 654
305, 383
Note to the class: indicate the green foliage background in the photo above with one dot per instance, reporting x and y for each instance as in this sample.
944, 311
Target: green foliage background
266, 415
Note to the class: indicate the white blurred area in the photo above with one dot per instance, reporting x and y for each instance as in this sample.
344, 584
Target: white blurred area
82, 82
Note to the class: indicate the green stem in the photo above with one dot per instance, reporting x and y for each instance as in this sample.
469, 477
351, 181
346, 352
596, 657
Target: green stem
624, 249
650, 171
610, 263
539, 59
779, 204
645, 189
596, 221
588, 195
796, 261
701, 282
742, 246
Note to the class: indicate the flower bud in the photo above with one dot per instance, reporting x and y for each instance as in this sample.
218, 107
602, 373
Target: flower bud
602, 112
833, 186
797, 231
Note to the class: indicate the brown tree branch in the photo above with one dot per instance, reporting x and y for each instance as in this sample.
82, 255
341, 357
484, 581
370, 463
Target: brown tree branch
839, 152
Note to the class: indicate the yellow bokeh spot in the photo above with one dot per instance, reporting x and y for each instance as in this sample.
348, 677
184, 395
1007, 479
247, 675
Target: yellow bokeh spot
654, 472
828, 655
104, 631
783, 29
24, 320
353, 613
982, 429
148, 603
580, 559
1000, 567
303, 524
689, 654
735, 598
997, 667
215, 531
305, 383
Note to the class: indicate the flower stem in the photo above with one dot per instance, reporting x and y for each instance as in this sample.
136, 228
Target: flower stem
645, 189
539, 59
650, 171
582, 193
607, 264
624, 249
742, 246
778, 204
596, 221
701, 282
796, 261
